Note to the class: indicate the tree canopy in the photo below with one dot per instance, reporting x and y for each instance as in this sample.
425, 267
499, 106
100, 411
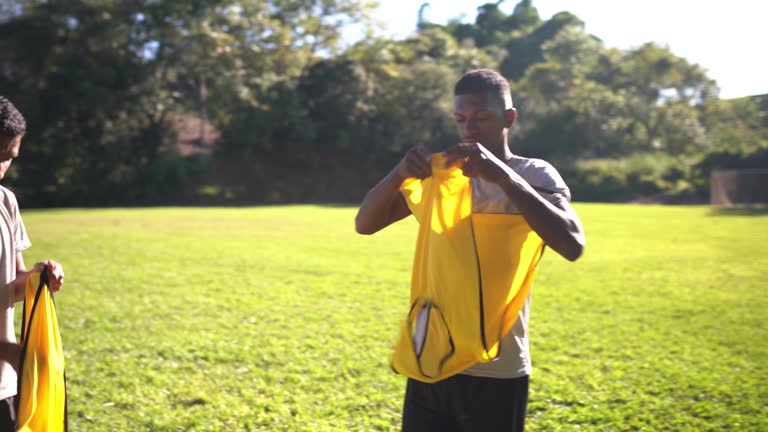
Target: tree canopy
303, 117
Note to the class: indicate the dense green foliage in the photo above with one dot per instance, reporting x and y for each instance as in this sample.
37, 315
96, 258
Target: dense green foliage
282, 319
304, 117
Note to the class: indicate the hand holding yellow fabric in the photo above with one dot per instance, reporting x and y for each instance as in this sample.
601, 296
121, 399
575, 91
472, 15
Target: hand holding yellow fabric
42, 392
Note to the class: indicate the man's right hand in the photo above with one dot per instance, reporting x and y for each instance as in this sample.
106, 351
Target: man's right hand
416, 163
55, 273
383, 204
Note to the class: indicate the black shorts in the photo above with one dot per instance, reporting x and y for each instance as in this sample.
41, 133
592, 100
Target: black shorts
8, 414
464, 403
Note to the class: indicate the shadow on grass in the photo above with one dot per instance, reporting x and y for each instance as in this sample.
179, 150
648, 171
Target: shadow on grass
740, 211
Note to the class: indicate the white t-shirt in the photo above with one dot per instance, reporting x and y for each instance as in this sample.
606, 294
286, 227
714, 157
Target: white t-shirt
13, 239
515, 358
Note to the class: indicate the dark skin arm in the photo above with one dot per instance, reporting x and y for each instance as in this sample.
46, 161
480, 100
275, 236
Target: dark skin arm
10, 352
384, 205
558, 225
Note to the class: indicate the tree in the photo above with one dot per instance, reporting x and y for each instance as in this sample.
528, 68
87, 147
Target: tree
412, 82
77, 78
565, 114
100, 80
338, 109
527, 49
736, 124
662, 91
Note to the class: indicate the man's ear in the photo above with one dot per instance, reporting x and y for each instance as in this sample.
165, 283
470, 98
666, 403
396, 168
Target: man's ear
510, 116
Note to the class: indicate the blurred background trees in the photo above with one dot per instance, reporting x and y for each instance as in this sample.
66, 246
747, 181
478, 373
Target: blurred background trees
230, 101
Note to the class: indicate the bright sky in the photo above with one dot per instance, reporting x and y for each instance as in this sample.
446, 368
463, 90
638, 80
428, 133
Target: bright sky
727, 38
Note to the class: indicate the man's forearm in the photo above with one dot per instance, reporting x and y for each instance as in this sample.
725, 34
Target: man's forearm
10, 352
375, 212
19, 285
14, 291
560, 230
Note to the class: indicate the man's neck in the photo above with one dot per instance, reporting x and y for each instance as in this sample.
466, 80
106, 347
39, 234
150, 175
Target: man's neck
502, 151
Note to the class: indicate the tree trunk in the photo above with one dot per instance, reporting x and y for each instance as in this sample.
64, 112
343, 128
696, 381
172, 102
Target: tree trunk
203, 94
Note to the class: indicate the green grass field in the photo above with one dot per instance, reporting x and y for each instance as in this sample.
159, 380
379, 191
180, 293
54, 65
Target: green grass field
282, 319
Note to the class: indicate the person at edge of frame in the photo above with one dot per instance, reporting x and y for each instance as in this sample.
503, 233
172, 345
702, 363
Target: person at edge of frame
13, 273
485, 396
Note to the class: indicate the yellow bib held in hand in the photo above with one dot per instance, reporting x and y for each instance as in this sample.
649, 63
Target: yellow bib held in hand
471, 276
42, 395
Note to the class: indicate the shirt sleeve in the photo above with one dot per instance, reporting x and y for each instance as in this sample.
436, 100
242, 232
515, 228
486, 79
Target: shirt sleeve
20, 239
545, 179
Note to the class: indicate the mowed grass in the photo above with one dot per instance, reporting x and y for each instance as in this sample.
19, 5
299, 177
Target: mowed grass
282, 319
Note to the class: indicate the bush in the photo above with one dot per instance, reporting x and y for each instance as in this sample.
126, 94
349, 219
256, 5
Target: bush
617, 180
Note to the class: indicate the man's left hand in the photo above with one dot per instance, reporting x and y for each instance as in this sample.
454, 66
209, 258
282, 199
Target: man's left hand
55, 273
477, 161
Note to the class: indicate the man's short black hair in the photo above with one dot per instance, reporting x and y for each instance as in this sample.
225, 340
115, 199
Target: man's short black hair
484, 81
12, 123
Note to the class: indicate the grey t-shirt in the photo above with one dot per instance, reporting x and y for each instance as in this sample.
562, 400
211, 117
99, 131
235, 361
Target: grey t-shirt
13, 239
515, 358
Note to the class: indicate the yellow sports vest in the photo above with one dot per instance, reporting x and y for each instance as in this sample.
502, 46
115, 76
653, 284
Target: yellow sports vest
42, 395
471, 276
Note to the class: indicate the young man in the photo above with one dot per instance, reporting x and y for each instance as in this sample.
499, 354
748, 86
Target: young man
13, 274
486, 396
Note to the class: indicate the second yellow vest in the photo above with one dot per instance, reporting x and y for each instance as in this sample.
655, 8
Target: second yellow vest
42, 395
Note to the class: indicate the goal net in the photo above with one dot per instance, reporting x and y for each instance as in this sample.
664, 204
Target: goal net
731, 188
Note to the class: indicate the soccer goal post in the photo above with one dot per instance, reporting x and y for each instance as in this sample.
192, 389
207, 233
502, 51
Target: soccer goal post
731, 188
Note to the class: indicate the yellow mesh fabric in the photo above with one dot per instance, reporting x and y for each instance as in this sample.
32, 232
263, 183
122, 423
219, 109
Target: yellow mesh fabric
471, 276
42, 390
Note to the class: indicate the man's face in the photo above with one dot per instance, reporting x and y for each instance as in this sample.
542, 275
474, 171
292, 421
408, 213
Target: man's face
480, 118
9, 149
